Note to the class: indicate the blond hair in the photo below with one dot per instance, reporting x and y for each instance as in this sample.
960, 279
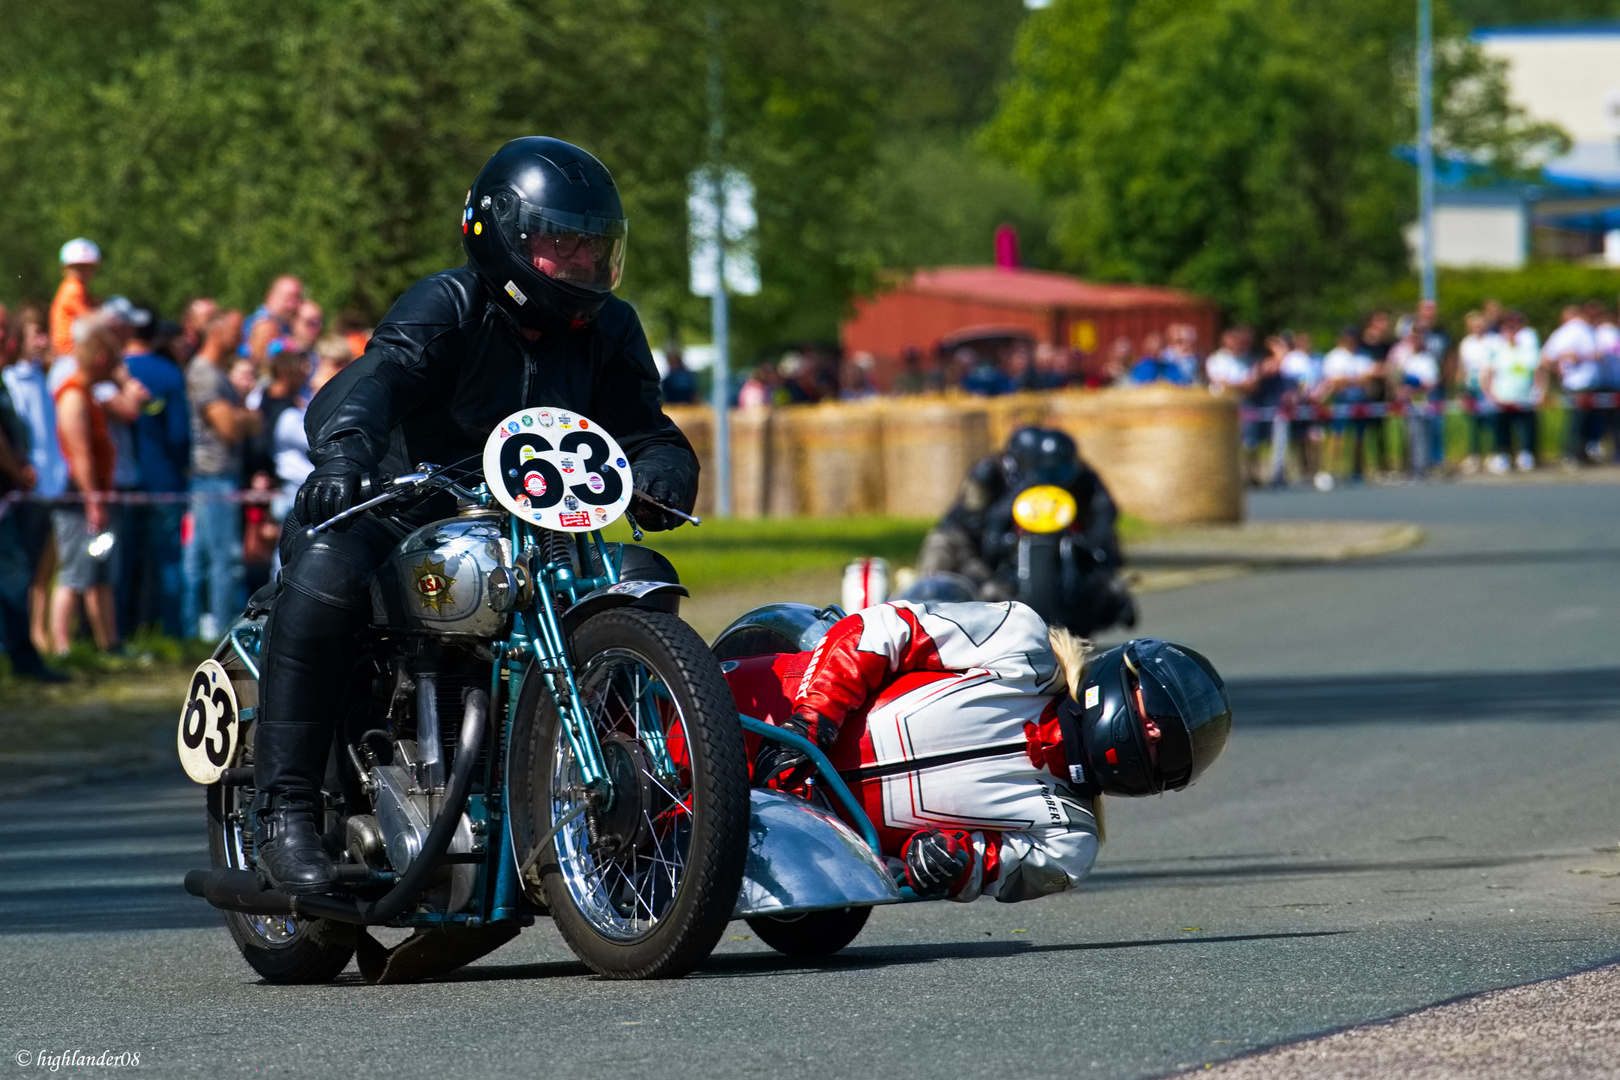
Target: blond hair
97, 339
334, 351
1072, 652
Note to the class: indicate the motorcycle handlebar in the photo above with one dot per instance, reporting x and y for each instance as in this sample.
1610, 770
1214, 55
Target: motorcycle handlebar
389, 491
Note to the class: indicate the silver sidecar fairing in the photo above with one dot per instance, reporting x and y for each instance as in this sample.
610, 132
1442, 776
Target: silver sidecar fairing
801, 858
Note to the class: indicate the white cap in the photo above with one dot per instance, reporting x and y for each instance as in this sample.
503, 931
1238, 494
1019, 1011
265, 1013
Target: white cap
80, 251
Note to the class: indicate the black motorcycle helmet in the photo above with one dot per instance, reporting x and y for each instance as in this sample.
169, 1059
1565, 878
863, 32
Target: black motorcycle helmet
1040, 456
1144, 681
545, 229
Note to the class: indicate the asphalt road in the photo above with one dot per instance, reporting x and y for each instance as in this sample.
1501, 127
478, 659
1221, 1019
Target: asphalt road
1419, 803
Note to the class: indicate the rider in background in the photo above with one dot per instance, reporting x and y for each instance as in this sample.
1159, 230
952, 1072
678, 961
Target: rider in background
530, 320
977, 538
980, 741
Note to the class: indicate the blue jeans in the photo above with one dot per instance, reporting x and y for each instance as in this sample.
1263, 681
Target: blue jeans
16, 575
149, 583
214, 554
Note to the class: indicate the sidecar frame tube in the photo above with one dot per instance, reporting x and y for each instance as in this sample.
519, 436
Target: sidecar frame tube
825, 772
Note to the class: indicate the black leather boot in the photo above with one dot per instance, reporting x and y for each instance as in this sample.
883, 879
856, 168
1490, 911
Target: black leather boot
291, 854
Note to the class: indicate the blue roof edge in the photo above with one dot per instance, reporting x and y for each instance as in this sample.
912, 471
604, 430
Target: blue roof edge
1583, 28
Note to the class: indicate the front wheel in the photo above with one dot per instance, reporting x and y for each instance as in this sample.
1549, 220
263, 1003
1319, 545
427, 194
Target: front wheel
643, 886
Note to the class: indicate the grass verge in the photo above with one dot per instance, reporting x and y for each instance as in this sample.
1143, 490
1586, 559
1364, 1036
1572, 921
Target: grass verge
732, 553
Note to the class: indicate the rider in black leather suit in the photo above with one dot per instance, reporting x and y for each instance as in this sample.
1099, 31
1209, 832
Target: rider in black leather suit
530, 321
978, 539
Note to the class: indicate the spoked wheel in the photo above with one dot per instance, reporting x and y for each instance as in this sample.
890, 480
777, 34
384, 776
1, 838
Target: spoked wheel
642, 887
282, 948
814, 933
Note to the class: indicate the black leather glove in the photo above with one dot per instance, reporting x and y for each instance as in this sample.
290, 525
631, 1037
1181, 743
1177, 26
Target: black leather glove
332, 488
776, 758
665, 489
936, 861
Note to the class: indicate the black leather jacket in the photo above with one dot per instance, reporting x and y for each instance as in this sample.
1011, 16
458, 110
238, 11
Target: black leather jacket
983, 511
447, 363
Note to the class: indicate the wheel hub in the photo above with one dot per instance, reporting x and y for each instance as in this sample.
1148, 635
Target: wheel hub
625, 821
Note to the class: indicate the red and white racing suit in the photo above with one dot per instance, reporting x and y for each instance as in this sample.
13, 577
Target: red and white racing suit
946, 719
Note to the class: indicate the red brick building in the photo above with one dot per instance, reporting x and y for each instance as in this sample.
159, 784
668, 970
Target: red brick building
953, 302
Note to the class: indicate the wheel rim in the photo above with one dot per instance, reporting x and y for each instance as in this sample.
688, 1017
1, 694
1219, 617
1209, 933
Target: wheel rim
624, 895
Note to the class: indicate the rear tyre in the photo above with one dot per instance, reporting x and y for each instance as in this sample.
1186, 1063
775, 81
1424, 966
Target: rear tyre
815, 933
649, 897
284, 949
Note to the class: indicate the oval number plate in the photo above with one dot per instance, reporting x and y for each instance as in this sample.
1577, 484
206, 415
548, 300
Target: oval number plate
209, 731
557, 469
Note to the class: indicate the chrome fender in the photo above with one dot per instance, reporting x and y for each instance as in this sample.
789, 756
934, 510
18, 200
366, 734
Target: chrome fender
801, 858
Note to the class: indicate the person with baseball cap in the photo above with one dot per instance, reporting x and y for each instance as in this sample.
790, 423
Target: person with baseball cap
81, 259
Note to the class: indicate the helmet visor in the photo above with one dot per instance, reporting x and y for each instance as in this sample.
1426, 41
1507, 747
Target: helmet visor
586, 250
1175, 687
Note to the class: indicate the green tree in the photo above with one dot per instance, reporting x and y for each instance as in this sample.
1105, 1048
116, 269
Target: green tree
209, 145
1243, 149
1513, 12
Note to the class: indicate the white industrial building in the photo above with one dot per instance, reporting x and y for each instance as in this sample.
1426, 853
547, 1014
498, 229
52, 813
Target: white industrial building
1568, 74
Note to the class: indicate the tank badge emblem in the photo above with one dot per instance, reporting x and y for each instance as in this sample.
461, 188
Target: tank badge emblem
433, 585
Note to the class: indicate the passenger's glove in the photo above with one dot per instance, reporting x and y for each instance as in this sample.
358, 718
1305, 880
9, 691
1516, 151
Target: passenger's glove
331, 489
776, 758
937, 862
666, 489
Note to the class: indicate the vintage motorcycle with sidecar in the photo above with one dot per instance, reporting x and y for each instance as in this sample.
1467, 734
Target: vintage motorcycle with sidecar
531, 731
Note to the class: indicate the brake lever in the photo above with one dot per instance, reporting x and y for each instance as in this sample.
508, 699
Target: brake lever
649, 500
396, 487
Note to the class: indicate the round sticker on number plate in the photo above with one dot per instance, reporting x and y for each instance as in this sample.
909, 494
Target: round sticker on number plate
208, 724
558, 470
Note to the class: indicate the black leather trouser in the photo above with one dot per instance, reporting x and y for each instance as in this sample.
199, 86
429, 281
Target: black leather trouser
309, 647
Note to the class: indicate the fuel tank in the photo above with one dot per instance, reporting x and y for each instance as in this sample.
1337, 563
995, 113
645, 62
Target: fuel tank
437, 579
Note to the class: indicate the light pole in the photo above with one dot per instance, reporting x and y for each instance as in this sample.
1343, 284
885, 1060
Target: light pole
720, 312
1425, 149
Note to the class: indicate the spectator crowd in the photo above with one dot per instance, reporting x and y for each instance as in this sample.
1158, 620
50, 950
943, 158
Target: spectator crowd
146, 463
1389, 396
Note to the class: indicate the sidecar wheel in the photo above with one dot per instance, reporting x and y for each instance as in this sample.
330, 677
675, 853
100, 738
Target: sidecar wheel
648, 896
283, 950
815, 933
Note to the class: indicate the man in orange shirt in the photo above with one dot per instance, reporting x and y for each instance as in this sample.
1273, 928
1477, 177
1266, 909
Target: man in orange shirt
81, 427
80, 261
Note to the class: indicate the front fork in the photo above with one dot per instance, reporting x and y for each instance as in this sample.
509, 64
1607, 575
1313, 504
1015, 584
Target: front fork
537, 634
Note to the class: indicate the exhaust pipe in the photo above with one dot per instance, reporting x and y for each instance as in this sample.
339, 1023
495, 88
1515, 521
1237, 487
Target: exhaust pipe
242, 890
238, 890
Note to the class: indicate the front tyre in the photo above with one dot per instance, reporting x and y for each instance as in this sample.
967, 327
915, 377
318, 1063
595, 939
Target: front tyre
650, 895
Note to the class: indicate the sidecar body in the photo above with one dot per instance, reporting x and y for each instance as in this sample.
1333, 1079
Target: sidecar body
803, 857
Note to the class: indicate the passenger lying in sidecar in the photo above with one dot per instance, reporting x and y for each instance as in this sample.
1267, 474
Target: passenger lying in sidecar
970, 744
